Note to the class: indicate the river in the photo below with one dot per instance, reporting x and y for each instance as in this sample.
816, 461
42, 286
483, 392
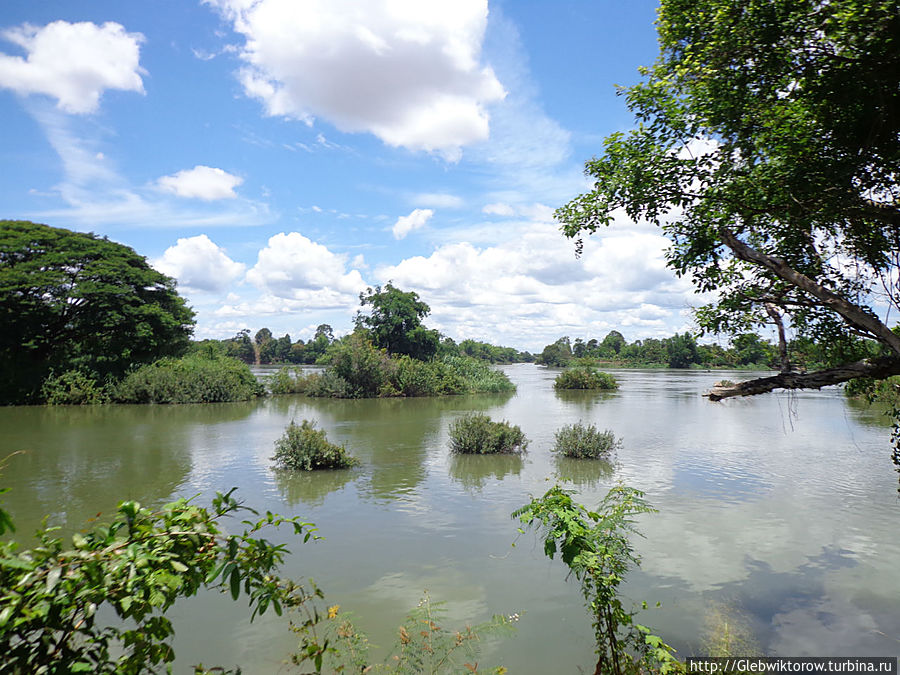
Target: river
779, 511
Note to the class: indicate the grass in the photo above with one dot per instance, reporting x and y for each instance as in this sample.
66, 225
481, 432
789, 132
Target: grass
477, 434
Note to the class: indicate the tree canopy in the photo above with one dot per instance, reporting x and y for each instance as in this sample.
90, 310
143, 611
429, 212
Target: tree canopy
768, 150
72, 300
395, 322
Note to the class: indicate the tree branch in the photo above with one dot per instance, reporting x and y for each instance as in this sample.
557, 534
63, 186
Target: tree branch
852, 314
877, 368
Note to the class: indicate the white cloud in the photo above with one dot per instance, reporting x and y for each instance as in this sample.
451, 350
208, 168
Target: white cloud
198, 263
441, 200
530, 289
294, 271
407, 71
72, 62
414, 221
201, 182
498, 209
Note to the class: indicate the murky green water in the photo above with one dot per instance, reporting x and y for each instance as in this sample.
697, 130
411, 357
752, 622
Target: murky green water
782, 507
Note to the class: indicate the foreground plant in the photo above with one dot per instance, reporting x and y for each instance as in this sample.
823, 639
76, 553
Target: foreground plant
305, 448
585, 442
476, 433
422, 644
595, 547
137, 566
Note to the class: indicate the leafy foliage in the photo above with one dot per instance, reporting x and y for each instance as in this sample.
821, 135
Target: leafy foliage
138, 566
305, 448
395, 322
75, 301
195, 378
584, 377
767, 149
73, 387
594, 545
476, 433
585, 442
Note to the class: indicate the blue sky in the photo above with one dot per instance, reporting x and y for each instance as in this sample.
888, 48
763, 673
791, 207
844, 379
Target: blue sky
278, 156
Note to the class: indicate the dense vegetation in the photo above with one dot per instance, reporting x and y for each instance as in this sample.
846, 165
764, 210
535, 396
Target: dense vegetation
767, 148
745, 351
585, 442
305, 448
76, 301
477, 434
584, 376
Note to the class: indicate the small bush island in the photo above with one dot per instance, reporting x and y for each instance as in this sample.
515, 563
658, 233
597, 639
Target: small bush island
305, 448
585, 442
584, 377
359, 369
196, 378
476, 434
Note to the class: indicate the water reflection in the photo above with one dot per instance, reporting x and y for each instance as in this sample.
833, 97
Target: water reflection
472, 471
584, 399
311, 487
583, 472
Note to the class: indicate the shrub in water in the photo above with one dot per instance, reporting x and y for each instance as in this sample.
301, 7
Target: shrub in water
585, 442
287, 381
196, 378
73, 387
305, 448
584, 377
475, 433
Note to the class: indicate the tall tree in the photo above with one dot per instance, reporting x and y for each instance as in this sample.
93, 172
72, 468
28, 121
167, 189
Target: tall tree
768, 150
75, 300
395, 322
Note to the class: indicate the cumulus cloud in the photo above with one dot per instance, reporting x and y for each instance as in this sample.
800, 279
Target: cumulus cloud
407, 71
198, 263
295, 269
414, 221
201, 182
72, 62
529, 290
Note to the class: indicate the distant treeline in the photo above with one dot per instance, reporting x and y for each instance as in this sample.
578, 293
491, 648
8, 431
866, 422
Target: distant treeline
264, 348
748, 351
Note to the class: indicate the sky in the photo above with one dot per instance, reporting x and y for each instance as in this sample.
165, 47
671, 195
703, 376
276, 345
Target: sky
278, 157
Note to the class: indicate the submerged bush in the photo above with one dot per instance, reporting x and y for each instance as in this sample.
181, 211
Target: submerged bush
475, 433
73, 387
305, 448
196, 378
584, 377
585, 442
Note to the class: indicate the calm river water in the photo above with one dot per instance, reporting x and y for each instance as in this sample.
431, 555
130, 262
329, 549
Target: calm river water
781, 509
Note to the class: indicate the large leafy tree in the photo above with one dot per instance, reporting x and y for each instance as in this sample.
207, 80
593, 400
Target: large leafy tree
72, 300
768, 150
395, 322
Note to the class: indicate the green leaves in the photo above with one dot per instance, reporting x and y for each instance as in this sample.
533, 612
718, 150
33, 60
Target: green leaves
138, 565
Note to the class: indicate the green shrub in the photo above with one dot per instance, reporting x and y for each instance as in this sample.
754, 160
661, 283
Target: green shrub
585, 442
73, 387
195, 378
584, 377
287, 381
475, 433
473, 376
305, 448
881, 391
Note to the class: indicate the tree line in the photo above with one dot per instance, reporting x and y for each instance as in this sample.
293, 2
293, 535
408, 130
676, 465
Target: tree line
747, 350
